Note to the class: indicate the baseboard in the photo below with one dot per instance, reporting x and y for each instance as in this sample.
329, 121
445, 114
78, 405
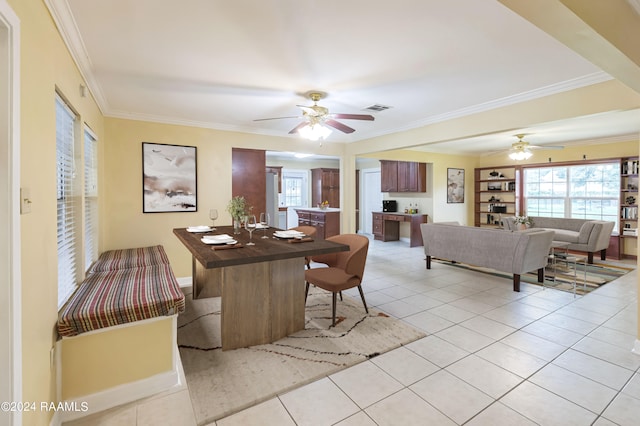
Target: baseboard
173, 380
636, 347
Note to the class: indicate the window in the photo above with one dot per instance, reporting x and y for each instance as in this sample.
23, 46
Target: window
90, 198
293, 190
68, 214
586, 191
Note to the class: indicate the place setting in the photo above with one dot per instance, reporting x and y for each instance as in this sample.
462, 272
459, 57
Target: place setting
292, 236
221, 241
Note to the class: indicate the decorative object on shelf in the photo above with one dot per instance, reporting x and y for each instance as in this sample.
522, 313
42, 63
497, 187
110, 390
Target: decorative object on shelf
494, 174
630, 200
168, 178
455, 185
323, 205
238, 209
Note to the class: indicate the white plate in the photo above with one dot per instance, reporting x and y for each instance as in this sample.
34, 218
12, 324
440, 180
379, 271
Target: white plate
218, 242
288, 234
201, 228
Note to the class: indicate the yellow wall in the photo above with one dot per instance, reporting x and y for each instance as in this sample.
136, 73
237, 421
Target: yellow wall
125, 225
45, 65
98, 361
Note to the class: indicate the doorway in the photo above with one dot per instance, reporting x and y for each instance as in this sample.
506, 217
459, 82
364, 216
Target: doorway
10, 325
371, 197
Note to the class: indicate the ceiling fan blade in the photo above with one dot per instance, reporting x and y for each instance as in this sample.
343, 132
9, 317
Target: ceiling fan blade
354, 117
276, 118
298, 127
545, 147
336, 125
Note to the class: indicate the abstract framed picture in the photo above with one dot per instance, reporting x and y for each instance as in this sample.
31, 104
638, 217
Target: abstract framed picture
169, 178
455, 185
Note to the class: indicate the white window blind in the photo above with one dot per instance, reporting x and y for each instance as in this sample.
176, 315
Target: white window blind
67, 214
90, 198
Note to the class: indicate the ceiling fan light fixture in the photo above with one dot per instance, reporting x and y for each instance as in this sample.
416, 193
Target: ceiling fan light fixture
520, 155
314, 132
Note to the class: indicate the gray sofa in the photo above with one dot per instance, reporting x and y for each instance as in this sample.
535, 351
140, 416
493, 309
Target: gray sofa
512, 252
585, 235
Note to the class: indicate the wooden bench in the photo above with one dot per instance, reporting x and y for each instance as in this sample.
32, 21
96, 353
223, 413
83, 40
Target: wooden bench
119, 331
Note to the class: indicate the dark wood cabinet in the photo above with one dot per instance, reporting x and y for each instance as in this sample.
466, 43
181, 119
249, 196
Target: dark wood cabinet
325, 186
388, 176
248, 177
327, 223
403, 176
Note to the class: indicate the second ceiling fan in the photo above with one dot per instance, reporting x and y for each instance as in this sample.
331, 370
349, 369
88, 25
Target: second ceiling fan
315, 116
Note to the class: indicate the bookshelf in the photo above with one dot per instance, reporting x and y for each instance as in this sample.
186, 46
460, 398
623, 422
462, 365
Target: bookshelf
496, 195
629, 206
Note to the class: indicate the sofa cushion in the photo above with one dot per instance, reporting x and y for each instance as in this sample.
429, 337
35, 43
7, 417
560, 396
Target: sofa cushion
564, 235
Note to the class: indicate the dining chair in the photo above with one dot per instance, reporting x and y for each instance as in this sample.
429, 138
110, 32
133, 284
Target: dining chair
309, 231
344, 269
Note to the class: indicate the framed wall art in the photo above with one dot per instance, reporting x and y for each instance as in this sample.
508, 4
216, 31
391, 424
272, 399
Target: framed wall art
455, 185
168, 178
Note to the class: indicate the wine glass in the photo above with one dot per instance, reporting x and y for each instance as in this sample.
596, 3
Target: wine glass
264, 222
250, 225
213, 215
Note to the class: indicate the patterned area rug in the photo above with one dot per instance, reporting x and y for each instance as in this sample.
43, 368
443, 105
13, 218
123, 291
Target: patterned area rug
587, 277
221, 383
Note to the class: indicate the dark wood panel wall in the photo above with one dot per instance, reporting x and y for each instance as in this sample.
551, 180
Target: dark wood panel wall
249, 179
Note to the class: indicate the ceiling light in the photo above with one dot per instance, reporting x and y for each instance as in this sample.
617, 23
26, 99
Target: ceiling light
314, 132
520, 154
301, 155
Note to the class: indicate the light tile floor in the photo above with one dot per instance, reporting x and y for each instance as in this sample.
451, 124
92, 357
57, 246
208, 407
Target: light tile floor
491, 357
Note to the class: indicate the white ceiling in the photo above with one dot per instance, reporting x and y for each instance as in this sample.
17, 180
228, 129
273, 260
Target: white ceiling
222, 64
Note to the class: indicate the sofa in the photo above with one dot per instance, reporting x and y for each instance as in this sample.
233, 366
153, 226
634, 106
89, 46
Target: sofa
512, 252
583, 235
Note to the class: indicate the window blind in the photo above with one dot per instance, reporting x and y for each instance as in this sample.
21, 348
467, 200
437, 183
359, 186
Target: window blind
90, 198
67, 214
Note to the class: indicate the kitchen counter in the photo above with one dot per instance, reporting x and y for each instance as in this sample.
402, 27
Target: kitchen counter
326, 221
386, 226
318, 209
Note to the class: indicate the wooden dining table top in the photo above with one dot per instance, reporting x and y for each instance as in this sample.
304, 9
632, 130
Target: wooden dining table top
264, 250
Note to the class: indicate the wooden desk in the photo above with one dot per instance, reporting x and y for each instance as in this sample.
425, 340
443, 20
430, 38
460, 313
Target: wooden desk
386, 226
262, 286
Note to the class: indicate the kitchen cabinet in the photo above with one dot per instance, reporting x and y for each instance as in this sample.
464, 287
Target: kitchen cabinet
326, 222
403, 176
325, 186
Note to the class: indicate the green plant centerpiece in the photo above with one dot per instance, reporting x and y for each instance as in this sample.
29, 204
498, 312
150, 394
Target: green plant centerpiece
525, 221
238, 209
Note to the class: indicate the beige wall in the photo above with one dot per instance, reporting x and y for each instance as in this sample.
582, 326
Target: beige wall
125, 225
45, 66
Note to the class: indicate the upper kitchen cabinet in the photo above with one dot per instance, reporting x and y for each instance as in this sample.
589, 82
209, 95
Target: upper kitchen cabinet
325, 186
403, 176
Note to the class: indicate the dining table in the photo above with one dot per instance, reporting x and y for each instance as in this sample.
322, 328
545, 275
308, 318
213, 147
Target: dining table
261, 286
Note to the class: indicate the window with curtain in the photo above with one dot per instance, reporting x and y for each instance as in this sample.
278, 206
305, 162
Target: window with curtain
90, 198
67, 211
585, 191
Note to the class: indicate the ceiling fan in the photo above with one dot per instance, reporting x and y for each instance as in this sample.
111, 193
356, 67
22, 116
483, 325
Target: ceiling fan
521, 150
316, 116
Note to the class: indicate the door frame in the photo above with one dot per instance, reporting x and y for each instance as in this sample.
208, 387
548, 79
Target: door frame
10, 295
366, 217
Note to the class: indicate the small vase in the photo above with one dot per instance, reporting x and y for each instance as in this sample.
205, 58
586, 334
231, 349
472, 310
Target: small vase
236, 226
522, 226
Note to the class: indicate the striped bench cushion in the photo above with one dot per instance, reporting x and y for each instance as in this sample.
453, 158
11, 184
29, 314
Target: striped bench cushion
121, 296
130, 258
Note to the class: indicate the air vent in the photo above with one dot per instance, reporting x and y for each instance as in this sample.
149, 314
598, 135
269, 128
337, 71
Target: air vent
377, 108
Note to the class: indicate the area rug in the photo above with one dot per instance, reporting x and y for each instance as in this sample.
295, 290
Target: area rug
222, 383
596, 274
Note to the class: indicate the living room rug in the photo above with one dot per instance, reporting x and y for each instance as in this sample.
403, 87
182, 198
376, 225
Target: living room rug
222, 383
597, 274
